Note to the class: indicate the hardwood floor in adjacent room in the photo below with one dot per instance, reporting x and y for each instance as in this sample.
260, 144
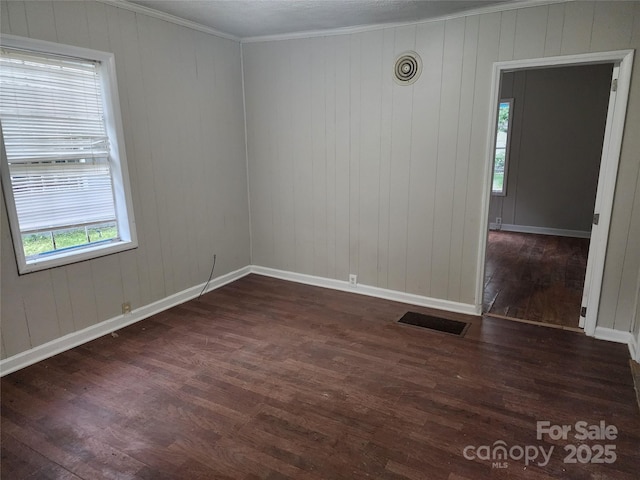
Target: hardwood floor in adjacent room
535, 277
267, 379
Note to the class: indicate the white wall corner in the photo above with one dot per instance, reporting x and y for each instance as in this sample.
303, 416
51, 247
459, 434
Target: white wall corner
611, 335
67, 342
246, 151
634, 349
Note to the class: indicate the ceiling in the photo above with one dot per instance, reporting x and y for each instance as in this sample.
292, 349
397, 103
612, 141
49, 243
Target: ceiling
257, 18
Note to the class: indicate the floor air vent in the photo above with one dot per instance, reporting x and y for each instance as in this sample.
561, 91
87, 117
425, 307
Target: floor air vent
444, 325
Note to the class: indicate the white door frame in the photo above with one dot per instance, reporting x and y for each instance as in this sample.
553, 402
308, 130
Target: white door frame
616, 115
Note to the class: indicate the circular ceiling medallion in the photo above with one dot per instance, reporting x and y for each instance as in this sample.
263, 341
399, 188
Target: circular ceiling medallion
407, 68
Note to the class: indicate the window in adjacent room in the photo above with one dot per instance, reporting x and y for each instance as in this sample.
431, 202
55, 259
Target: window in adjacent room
501, 156
64, 172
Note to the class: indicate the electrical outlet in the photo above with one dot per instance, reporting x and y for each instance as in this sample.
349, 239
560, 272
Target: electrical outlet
498, 220
353, 280
126, 308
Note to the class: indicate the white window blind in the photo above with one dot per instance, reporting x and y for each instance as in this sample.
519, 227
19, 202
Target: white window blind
57, 147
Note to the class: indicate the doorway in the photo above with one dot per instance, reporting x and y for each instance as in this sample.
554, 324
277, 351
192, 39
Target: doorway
549, 139
606, 179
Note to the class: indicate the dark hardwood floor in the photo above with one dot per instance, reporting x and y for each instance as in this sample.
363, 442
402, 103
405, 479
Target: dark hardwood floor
266, 379
535, 277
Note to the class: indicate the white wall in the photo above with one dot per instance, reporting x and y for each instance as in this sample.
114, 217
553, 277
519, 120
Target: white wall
181, 101
557, 131
351, 173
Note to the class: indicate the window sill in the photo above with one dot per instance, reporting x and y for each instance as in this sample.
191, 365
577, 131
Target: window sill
74, 256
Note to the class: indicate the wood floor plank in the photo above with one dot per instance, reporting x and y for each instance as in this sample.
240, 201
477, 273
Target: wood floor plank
267, 379
534, 277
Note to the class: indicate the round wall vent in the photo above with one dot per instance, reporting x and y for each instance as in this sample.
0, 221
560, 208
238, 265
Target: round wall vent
408, 67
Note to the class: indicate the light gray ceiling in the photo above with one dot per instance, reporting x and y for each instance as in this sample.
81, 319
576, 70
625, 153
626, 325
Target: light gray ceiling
254, 18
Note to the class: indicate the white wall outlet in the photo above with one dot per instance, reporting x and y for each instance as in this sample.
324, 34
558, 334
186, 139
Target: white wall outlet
353, 280
126, 308
498, 220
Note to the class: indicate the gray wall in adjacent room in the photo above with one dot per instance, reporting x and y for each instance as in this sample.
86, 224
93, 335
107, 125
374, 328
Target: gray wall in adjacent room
559, 115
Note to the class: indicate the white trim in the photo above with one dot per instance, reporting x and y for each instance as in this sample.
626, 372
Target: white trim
558, 232
592, 58
167, 17
611, 335
606, 188
608, 165
488, 184
635, 354
515, 5
634, 349
44, 46
125, 217
368, 290
67, 342
74, 339
59, 345
66, 257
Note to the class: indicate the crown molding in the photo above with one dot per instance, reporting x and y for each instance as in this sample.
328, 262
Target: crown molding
168, 18
502, 7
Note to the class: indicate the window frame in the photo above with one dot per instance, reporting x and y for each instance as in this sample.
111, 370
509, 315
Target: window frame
117, 158
507, 148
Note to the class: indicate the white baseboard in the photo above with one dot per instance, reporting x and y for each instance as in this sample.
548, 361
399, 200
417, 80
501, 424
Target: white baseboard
559, 232
361, 289
634, 349
67, 342
617, 336
59, 345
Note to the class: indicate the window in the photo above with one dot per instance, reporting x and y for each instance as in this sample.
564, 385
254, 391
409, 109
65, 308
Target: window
501, 158
64, 172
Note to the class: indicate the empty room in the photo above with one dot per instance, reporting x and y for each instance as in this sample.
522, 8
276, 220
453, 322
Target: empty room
279, 239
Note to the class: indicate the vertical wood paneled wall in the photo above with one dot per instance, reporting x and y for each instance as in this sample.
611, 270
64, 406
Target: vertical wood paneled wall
181, 101
351, 173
